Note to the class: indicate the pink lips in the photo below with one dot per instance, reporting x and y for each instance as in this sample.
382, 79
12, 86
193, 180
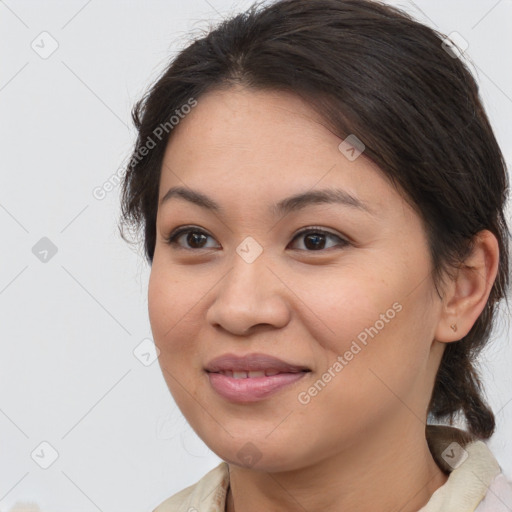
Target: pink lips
264, 376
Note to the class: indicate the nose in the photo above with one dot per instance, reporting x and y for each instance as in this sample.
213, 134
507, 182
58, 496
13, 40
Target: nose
249, 296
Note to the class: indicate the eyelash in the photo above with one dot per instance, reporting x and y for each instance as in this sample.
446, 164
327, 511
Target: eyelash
174, 235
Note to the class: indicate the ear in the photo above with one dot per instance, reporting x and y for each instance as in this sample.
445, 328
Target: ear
466, 295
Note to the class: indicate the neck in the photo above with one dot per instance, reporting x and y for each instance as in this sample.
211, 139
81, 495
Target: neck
383, 470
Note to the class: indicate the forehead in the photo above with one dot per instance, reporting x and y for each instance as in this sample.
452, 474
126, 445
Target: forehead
264, 145
247, 122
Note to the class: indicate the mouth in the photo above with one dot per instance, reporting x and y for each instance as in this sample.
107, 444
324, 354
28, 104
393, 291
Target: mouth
252, 377
252, 366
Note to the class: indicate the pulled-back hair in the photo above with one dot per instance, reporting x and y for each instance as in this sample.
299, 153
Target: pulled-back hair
370, 70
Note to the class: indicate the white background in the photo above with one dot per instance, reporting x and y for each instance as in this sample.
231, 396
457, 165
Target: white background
69, 326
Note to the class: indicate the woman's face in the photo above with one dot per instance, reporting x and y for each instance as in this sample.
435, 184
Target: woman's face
352, 301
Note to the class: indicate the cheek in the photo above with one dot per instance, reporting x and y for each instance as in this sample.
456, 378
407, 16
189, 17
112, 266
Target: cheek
160, 305
174, 306
170, 297
167, 308
347, 303
377, 319
172, 330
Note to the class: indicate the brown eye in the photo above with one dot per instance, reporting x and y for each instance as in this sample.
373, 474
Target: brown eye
314, 239
195, 238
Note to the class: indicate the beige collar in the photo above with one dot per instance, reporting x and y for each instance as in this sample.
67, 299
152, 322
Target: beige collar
471, 466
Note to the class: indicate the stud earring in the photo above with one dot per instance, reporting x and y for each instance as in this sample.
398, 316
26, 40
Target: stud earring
454, 327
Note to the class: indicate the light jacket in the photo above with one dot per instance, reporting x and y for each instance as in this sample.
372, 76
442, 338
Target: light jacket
475, 480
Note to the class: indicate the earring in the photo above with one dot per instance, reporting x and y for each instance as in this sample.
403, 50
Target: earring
454, 327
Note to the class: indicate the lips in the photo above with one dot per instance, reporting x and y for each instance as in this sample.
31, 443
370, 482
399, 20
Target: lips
252, 366
253, 377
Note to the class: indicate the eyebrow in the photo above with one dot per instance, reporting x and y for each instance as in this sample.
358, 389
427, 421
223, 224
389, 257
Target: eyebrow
283, 207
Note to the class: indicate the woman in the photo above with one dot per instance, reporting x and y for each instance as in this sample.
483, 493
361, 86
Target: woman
322, 203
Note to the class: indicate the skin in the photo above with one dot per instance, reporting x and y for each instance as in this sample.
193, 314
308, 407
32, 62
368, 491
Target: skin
360, 442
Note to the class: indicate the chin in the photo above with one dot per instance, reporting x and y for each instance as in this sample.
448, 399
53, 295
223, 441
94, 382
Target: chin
249, 454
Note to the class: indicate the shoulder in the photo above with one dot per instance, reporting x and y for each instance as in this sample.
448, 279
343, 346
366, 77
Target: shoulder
206, 494
475, 483
498, 497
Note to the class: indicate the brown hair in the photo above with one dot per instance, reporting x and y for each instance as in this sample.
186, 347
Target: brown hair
369, 70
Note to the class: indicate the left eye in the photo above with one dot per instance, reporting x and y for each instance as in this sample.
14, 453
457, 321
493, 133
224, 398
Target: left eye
314, 237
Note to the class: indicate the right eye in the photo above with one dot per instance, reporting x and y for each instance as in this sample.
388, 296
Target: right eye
195, 237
